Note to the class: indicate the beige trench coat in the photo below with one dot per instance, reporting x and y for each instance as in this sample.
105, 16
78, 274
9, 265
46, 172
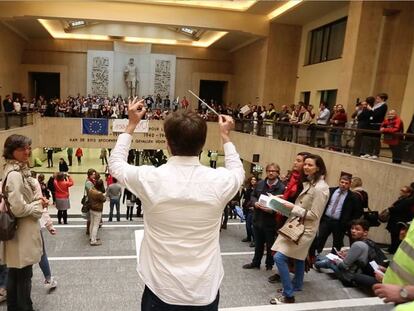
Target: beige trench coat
26, 246
313, 198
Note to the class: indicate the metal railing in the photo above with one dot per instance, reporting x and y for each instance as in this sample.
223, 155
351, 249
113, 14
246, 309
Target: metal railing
348, 139
10, 120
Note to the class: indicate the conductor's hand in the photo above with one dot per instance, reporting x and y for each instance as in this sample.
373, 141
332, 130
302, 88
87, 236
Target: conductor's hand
136, 111
226, 124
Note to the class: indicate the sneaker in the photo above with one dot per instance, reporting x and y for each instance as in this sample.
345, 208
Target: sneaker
365, 156
252, 244
373, 157
97, 243
282, 300
51, 284
246, 240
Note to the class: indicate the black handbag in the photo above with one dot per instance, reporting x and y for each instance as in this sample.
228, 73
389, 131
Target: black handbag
8, 222
372, 217
85, 204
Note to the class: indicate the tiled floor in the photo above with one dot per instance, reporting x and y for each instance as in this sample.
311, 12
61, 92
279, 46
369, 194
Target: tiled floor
105, 278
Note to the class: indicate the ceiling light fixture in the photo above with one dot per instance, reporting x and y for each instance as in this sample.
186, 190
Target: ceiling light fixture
282, 9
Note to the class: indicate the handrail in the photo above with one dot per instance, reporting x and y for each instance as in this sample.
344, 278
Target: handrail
347, 139
6, 119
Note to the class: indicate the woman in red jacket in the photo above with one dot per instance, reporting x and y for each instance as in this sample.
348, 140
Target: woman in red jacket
62, 184
391, 125
79, 155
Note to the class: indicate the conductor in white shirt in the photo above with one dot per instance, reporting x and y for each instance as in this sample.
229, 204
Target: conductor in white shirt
179, 260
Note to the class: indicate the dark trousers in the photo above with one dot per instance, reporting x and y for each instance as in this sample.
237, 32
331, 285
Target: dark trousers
396, 151
249, 226
150, 302
130, 210
395, 241
19, 287
263, 236
64, 215
79, 160
49, 161
70, 160
327, 226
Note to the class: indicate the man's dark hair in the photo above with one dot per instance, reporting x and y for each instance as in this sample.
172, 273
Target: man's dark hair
383, 96
370, 100
346, 177
14, 142
361, 222
320, 164
186, 133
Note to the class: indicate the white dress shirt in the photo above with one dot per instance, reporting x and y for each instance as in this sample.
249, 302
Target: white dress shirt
183, 202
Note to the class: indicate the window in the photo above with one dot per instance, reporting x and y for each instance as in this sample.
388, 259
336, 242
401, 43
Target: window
326, 42
305, 97
329, 97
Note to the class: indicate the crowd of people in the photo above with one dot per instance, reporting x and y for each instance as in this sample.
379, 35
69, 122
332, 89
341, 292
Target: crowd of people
358, 132
309, 204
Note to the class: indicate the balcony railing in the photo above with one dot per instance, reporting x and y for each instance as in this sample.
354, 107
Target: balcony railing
10, 120
346, 139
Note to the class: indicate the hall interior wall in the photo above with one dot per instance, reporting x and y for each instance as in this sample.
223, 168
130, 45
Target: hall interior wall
73, 54
11, 51
321, 76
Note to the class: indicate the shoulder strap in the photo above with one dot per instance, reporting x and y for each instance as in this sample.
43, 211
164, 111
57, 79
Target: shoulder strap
4, 193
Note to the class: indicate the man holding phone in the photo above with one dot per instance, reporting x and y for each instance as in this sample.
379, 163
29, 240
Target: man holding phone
183, 201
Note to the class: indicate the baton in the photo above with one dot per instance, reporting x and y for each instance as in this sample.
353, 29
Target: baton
204, 103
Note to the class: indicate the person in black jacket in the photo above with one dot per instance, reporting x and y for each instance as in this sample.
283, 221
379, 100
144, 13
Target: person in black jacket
341, 209
363, 123
264, 220
379, 110
401, 210
63, 166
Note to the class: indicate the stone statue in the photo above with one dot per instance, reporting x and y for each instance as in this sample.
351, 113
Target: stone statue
131, 78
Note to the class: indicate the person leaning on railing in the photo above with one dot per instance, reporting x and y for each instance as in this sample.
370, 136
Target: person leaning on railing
390, 126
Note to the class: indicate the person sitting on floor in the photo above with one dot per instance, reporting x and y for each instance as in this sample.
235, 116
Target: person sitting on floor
353, 267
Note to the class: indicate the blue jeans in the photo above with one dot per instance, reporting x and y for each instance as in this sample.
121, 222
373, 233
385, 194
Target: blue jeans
290, 286
112, 203
44, 262
325, 263
3, 276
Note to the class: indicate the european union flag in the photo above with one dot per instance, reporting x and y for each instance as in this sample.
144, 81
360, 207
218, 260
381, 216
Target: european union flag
95, 126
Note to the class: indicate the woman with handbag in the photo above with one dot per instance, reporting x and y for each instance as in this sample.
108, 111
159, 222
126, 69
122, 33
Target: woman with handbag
96, 199
400, 211
26, 203
299, 231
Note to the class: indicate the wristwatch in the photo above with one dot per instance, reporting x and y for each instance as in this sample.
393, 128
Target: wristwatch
403, 293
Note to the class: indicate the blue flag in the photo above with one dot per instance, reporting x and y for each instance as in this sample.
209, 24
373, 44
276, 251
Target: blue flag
95, 126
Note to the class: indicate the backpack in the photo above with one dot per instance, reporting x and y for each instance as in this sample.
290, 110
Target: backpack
375, 253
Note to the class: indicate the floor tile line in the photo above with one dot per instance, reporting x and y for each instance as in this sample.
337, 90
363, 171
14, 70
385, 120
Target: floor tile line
314, 305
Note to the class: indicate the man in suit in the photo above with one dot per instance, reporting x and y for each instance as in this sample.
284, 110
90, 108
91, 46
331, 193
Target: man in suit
341, 209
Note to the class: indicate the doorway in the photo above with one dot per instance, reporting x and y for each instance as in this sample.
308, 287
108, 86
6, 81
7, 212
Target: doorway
212, 90
44, 83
